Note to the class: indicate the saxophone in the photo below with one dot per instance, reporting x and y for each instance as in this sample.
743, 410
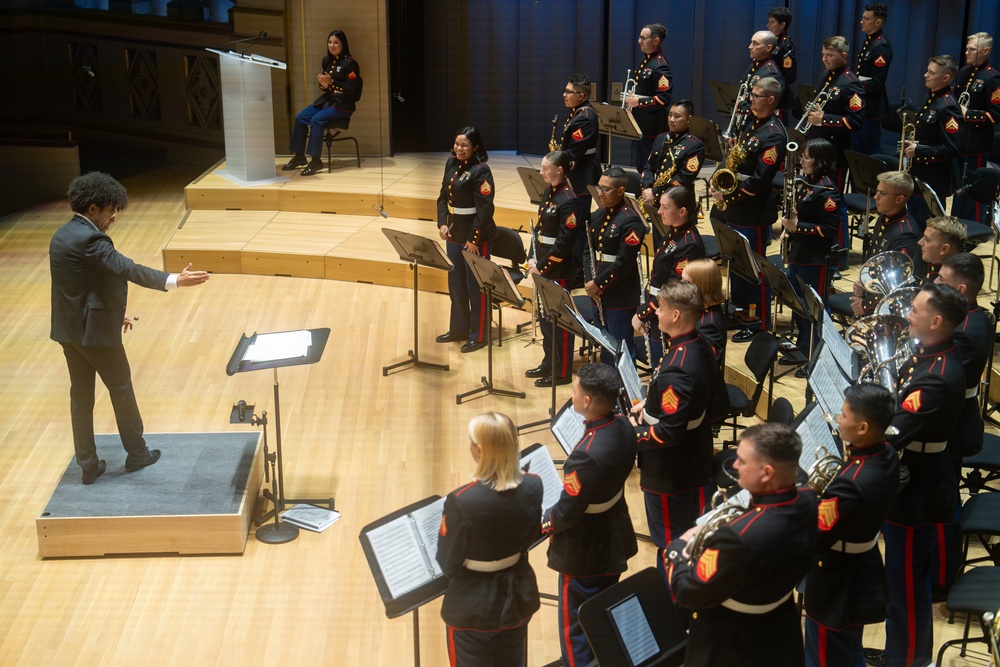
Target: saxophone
553, 144
665, 176
725, 179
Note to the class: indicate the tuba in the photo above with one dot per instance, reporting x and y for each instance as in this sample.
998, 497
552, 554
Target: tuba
724, 510
898, 303
885, 342
886, 272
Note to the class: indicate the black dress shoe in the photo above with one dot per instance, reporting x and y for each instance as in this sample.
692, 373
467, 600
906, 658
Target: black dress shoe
296, 162
473, 345
743, 335
451, 337
875, 656
547, 381
152, 457
788, 361
91, 477
539, 371
315, 166
802, 373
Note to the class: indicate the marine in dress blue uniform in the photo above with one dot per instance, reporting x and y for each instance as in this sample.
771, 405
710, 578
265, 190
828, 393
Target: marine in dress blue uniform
982, 112
652, 93
579, 139
872, 67
779, 20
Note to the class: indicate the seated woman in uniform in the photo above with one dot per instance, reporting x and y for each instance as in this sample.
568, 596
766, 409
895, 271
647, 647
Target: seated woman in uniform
486, 530
340, 81
704, 273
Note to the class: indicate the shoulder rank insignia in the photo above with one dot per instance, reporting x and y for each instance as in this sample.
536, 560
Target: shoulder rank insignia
951, 126
912, 402
484, 188
855, 103
829, 204
572, 484
681, 265
693, 166
577, 134
352, 75
828, 514
571, 221
663, 83
669, 401
443, 530
995, 97
787, 62
770, 156
880, 61
708, 564
632, 238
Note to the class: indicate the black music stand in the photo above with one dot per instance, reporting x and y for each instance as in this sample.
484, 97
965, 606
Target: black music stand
799, 138
557, 306
708, 132
642, 599
418, 251
279, 532
725, 95
806, 94
410, 601
494, 282
783, 292
827, 380
534, 184
616, 122
734, 248
864, 177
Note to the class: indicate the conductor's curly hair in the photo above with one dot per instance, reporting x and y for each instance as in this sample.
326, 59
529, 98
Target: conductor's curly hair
98, 188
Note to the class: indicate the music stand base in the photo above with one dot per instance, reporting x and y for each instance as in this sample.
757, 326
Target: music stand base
489, 389
277, 533
416, 364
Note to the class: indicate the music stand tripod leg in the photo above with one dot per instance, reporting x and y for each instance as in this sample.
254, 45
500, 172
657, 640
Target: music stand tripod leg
487, 380
414, 355
278, 532
552, 357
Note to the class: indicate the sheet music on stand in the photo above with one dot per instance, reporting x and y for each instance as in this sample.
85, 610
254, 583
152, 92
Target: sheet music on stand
568, 427
628, 373
405, 548
600, 336
817, 438
633, 631
845, 357
828, 382
280, 345
536, 460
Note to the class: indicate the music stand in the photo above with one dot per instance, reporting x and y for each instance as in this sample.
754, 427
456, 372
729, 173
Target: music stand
796, 137
409, 601
616, 122
864, 177
279, 532
418, 251
557, 305
708, 132
640, 601
493, 281
734, 248
783, 292
806, 94
725, 95
827, 380
533, 183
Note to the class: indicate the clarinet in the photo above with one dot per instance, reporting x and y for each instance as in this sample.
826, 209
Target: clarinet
553, 144
536, 306
593, 274
643, 298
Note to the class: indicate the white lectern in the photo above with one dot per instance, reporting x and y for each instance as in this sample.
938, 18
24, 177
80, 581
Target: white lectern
247, 115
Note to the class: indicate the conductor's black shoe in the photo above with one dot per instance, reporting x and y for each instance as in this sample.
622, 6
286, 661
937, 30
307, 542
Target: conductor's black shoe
91, 477
473, 345
315, 166
539, 371
743, 335
451, 337
547, 381
875, 656
152, 457
298, 160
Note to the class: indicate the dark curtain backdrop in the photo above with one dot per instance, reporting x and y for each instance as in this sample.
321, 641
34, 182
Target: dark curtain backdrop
501, 65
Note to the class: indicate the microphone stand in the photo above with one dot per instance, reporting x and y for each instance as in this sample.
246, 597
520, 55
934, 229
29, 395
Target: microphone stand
256, 38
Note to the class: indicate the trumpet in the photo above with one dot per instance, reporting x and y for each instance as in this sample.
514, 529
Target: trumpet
818, 102
553, 144
629, 88
964, 99
909, 134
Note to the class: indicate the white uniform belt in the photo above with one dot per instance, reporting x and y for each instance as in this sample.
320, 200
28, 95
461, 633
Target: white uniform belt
491, 565
744, 608
654, 291
605, 257
854, 547
591, 151
600, 508
927, 447
547, 240
691, 425
972, 393
461, 210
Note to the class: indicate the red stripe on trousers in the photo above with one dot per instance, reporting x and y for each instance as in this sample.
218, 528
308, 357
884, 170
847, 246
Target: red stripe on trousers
566, 629
665, 512
822, 645
452, 658
942, 556
911, 614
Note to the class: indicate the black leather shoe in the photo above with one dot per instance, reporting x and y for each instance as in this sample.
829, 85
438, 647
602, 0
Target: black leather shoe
473, 345
743, 335
151, 458
451, 337
296, 162
91, 477
788, 361
547, 381
538, 372
315, 166
802, 373
875, 656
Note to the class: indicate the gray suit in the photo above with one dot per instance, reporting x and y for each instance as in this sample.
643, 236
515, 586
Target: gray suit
89, 294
